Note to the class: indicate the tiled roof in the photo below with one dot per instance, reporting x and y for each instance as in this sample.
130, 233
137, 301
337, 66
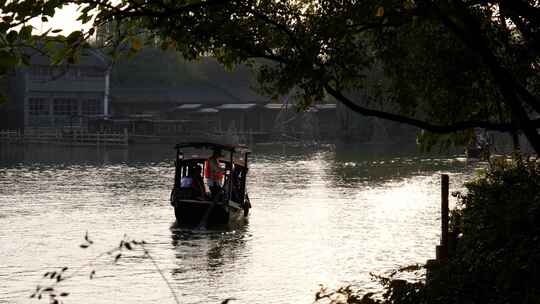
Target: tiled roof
236, 106
188, 106
89, 57
179, 95
328, 106
208, 110
278, 106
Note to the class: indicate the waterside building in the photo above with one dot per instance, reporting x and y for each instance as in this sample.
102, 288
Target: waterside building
157, 96
46, 96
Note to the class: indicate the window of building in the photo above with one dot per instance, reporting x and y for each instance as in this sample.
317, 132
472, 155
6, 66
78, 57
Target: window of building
92, 72
38, 106
77, 72
41, 72
91, 107
65, 107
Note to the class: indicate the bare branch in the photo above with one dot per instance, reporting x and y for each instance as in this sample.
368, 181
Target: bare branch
441, 129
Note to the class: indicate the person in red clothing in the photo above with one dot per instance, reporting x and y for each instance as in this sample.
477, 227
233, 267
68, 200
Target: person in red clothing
214, 173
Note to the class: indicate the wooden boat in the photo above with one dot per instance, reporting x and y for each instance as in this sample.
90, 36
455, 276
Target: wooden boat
196, 205
478, 152
479, 148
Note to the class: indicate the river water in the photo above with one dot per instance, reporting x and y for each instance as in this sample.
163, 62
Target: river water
325, 215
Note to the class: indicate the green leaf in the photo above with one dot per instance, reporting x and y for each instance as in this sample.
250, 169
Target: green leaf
408, 4
380, 12
4, 26
136, 44
25, 59
128, 246
26, 32
12, 36
7, 59
73, 37
84, 18
49, 7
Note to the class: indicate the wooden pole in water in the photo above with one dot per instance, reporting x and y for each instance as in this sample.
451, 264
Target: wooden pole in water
126, 139
444, 217
229, 190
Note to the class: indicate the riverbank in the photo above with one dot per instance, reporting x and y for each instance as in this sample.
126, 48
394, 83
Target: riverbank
495, 257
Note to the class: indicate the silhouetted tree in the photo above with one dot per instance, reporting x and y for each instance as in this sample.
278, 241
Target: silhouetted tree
449, 65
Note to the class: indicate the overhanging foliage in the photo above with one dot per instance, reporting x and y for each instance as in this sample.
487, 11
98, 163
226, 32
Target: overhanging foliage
448, 66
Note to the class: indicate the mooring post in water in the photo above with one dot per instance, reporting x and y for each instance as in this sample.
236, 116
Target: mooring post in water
442, 250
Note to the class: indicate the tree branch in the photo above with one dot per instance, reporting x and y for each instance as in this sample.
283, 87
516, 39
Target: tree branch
440, 129
283, 28
140, 10
473, 37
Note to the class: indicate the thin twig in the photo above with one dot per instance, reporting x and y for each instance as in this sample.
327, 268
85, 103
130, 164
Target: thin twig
161, 273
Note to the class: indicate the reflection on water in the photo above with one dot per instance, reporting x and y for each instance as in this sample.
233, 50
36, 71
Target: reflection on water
321, 215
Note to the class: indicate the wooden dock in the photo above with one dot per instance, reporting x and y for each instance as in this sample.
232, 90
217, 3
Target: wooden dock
65, 137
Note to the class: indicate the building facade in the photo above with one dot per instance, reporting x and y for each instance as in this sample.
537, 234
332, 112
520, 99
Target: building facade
93, 97
43, 95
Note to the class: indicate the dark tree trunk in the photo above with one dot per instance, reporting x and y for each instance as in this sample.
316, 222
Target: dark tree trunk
471, 34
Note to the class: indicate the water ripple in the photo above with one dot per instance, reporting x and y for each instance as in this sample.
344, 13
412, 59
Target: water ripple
319, 217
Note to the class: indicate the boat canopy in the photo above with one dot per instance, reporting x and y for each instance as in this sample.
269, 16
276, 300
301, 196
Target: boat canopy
212, 146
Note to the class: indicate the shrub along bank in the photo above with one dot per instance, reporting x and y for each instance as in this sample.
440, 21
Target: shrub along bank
497, 254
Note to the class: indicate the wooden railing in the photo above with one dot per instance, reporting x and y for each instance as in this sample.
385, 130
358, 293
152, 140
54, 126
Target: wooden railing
70, 137
10, 135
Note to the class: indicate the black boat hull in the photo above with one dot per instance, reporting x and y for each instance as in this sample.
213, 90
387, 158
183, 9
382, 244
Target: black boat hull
204, 213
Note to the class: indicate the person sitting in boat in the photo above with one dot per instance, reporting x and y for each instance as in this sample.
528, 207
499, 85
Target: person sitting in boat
235, 184
214, 173
193, 181
198, 183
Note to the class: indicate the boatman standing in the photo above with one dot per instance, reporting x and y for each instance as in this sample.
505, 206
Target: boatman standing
214, 173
